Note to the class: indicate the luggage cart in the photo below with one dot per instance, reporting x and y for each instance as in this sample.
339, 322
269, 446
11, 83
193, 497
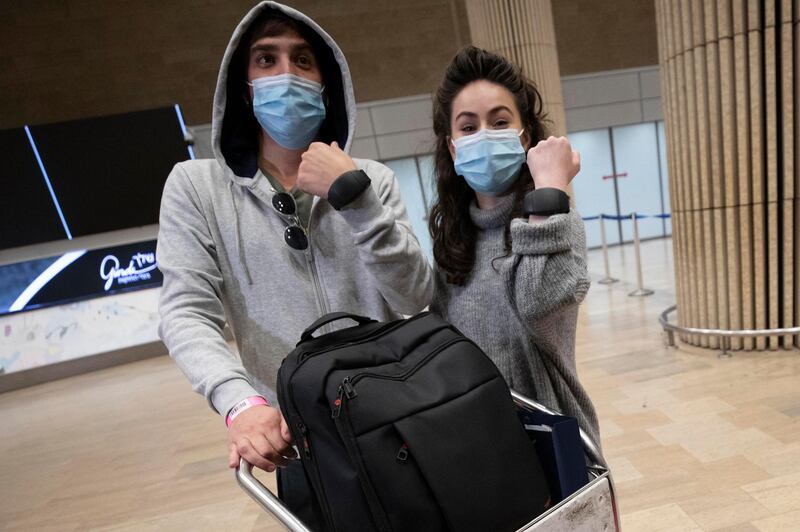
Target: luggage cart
592, 508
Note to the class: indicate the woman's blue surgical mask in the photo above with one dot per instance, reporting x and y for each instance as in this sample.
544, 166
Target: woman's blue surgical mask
490, 159
289, 108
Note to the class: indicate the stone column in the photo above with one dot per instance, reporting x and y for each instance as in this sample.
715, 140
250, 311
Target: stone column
727, 73
522, 31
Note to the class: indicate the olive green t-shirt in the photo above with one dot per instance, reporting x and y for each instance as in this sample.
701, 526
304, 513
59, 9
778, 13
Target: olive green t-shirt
303, 200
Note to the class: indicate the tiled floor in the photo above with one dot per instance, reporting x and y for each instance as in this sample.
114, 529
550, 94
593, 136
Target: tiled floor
695, 442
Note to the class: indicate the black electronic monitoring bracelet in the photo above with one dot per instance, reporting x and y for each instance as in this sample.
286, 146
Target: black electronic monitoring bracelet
347, 188
545, 202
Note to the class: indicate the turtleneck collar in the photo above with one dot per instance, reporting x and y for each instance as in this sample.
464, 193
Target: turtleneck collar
492, 218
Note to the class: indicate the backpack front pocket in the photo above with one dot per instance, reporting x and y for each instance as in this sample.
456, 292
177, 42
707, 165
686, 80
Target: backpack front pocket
484, 479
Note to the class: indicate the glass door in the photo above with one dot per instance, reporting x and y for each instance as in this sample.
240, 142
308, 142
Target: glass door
407, 174
593, 187
639, 183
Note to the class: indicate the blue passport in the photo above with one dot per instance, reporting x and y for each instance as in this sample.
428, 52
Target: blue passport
560, 450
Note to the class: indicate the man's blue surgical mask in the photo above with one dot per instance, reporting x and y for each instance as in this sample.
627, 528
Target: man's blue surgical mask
490, 159
289, 108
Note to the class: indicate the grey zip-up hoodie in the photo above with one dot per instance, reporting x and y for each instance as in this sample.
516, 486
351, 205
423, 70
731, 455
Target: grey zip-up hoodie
222, 253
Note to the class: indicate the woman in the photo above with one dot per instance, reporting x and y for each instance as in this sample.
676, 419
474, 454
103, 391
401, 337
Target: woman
511, 266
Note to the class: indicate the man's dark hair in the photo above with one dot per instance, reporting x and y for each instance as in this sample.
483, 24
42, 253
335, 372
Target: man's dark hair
274, 23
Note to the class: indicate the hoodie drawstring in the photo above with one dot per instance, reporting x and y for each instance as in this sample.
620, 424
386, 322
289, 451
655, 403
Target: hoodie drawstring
238, 233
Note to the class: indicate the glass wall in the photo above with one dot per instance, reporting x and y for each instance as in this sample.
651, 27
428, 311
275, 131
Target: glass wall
415, 178
623, 169
593, 187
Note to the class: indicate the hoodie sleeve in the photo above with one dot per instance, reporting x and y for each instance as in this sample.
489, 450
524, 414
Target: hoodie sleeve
548, 270
190, 305
386, 243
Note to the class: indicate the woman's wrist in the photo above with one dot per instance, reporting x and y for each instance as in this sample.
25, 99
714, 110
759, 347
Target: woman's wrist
551, 183
534, 219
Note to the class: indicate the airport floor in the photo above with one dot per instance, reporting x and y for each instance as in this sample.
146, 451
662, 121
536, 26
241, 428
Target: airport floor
695, 442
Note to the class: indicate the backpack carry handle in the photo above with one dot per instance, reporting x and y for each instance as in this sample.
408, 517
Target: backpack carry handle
328, 318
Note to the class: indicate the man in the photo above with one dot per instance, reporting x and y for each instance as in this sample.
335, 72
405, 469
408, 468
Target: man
281, 227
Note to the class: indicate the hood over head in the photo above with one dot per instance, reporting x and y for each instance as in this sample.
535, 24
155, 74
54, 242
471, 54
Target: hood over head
234, 129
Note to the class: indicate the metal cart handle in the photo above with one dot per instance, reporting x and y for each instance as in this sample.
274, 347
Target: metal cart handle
266, 499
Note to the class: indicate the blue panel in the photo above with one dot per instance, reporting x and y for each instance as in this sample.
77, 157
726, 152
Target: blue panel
636, 154
47, 181
662, 160
405, 171
593, 194
15, 278
183, 129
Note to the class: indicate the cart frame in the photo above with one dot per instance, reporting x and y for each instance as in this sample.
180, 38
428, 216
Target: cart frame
591, 508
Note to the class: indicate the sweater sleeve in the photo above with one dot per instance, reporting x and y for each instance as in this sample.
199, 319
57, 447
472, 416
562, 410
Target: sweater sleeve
190, 305
547, 273
387, 245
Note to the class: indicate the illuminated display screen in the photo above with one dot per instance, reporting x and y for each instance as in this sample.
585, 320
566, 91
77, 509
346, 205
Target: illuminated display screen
78, 275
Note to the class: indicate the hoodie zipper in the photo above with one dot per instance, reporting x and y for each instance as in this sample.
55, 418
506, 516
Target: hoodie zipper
313, 273
322, 305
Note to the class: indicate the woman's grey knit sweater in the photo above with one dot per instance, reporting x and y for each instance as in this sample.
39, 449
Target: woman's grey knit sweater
522, 308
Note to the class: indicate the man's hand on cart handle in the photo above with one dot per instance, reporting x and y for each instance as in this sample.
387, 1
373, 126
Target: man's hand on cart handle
261, 436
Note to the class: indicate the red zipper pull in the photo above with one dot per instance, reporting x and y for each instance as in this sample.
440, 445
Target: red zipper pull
337, 403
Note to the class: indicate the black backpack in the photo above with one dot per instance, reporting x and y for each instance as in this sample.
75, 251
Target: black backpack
408, 426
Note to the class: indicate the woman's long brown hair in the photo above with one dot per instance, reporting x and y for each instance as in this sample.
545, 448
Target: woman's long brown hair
451, 228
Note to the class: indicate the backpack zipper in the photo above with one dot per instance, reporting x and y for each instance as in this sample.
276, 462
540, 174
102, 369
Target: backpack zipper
402, 376
347, 388
304, 431
402, 454
341, 418
349, 439
311, 467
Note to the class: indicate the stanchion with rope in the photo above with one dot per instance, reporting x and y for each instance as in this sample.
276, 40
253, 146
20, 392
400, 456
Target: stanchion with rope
634, 217
641, 291
607, 279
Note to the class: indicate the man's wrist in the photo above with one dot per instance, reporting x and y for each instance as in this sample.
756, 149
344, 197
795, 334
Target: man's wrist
243, 405
347, 187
